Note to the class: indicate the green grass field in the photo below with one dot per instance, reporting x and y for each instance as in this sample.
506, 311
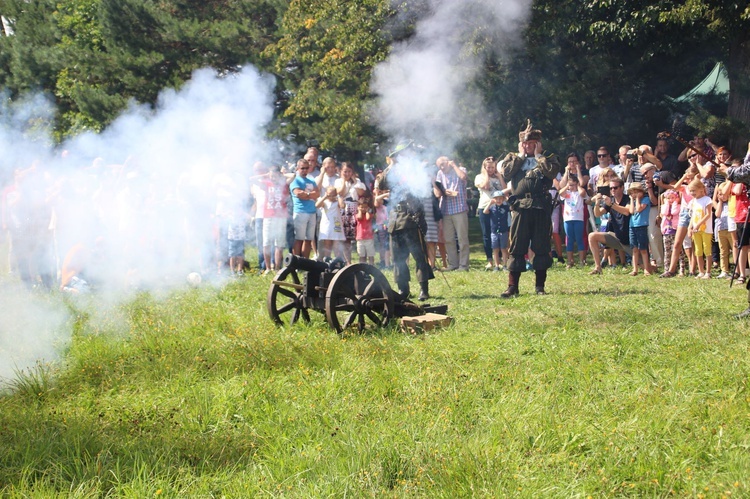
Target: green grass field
609, 386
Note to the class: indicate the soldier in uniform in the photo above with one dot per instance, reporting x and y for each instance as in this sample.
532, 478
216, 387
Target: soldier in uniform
529, 175
740, 175
407, 227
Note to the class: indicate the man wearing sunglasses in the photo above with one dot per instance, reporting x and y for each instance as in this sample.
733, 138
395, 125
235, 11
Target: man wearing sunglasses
304, 194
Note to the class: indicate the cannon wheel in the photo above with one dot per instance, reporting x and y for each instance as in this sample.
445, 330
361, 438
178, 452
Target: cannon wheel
359, 296
285, 298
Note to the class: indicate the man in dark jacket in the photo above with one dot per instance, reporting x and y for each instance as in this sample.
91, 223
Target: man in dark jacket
529, 175
407, 227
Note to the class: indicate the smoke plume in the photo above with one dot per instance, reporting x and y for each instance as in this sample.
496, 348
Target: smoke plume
132, 208
425, 87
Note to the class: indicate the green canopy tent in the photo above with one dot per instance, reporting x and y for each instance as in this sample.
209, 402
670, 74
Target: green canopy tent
717, 83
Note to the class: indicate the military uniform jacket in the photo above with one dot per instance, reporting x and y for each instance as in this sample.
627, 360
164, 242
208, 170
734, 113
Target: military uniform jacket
408, 212
530, 189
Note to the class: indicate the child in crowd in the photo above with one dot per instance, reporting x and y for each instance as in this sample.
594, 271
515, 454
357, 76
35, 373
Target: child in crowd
498, 211
639, 208
670, 216
364, 234
722, 228
331, 238
574, 203
701, 227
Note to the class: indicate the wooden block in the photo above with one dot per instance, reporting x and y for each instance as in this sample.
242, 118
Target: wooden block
422, 323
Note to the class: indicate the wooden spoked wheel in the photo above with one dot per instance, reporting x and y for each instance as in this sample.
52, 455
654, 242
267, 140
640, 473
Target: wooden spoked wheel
284, 301
359, 298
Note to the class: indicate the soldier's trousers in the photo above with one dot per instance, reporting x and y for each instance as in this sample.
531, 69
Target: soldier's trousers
530, 228
403, 243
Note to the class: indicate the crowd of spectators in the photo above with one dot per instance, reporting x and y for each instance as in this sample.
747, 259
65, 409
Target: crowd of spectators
645, 210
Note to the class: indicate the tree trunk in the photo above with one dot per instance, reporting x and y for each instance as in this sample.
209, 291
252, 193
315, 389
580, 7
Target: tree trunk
739, 91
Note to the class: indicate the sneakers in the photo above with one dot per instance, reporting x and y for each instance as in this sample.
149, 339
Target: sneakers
744, 314
510, 292
540, 290
723, 275
497, 269
489, 266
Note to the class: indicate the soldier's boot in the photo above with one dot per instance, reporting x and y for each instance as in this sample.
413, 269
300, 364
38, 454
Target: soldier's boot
425, 293
404, 291
512, 285
541, 279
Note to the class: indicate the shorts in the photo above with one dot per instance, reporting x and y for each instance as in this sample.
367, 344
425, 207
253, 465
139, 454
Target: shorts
639, 237
684, 220
366, 248
236, 247
687, 243
304, 226
274, 232
499, 240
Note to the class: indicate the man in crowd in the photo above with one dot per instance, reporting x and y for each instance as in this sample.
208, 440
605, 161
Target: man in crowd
602, 155
529, 175
668, 161
617, 235
305, 193
455, 212
622, 155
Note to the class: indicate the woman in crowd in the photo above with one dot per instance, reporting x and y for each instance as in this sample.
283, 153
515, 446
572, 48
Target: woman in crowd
349, 189
488, 181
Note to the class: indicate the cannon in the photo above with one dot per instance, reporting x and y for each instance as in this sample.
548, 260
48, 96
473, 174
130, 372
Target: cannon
352, 297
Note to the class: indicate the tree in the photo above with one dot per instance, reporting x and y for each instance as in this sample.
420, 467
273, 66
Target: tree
96, 55
324, 60
721, 29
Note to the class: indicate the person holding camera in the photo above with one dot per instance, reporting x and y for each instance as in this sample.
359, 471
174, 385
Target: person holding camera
616, 237
529, 175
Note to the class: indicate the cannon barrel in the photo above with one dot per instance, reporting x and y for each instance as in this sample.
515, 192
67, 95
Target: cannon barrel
299, 263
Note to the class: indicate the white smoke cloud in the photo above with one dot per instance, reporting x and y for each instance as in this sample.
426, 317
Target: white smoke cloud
32, 329
425, 87
135, 207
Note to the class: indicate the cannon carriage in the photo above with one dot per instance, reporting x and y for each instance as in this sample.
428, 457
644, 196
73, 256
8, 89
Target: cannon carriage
354, 297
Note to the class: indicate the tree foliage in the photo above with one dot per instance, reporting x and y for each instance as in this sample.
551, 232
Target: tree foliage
96, 55
324, 60
587, 72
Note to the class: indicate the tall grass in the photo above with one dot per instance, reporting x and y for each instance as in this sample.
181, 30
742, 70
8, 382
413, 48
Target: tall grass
610, 385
